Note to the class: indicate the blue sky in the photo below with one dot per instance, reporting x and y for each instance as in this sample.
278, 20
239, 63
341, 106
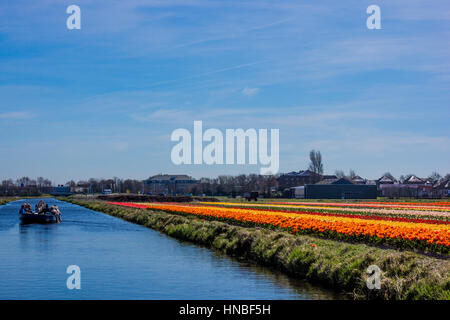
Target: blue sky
102, 101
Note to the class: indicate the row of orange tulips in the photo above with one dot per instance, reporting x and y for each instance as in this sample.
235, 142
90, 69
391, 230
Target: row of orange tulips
434, 236
442, 215
343, 213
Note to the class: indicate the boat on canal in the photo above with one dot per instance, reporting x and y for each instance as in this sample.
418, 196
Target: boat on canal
43, 214
38, 218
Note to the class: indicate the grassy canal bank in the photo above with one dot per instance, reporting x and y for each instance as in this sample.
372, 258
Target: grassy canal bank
334, 264
5, 200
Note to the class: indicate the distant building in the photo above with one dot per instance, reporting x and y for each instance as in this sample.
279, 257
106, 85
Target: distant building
80, 188
385, 180
335, 181
301, 178
398, 190
60, 191
169, 184
413, 187
414, 180
442, 188
335, 188
339, 189
358, 180
298, 192
294, 179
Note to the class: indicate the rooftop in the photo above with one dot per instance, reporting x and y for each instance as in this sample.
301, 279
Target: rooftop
386, 179
335, 181
414, 179
170, 177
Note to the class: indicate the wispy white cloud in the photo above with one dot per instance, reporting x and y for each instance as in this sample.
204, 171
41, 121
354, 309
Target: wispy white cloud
288, 118
118, 145
227, 36
250, 91
16, 115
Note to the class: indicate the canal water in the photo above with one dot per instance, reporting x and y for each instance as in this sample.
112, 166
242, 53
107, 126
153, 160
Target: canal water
121, 260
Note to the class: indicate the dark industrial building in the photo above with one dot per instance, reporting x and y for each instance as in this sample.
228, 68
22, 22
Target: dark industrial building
340, 189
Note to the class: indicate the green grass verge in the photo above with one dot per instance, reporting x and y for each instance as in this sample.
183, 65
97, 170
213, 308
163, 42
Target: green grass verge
5, 200
338, 265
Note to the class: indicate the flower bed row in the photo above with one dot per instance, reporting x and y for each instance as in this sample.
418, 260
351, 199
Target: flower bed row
356, 215
415, 206
360, 215
435, 237
435, 203
422, 215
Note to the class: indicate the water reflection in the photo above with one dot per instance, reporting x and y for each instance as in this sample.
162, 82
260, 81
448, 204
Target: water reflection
299, 286
36, 235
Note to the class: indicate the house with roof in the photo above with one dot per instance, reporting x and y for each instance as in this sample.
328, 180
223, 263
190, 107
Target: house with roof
358, 180
335, 181
295, 179
441, 188
414, 180
385, 180
81, 187
169, 184
412, 187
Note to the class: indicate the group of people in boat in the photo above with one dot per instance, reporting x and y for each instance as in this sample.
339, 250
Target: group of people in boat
25, 208
41, 208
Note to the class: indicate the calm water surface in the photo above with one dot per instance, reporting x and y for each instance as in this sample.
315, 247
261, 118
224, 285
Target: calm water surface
121, 260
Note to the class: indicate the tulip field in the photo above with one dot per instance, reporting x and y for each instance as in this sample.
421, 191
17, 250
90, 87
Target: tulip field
407, 225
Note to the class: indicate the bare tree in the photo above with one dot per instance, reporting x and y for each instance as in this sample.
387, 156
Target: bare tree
434, 176
40, 181
339, 174
8, 183
352, 174
389, 175
316, 164
71, 184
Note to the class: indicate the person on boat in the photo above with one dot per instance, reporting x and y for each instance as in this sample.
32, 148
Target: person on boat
45, 209
22, 209
55, 211
39, 206
27, 208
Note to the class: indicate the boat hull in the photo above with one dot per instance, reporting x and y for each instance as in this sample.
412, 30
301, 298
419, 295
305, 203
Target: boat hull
38, 218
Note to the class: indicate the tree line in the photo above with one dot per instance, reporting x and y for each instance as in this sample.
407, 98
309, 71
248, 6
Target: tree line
223, 185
